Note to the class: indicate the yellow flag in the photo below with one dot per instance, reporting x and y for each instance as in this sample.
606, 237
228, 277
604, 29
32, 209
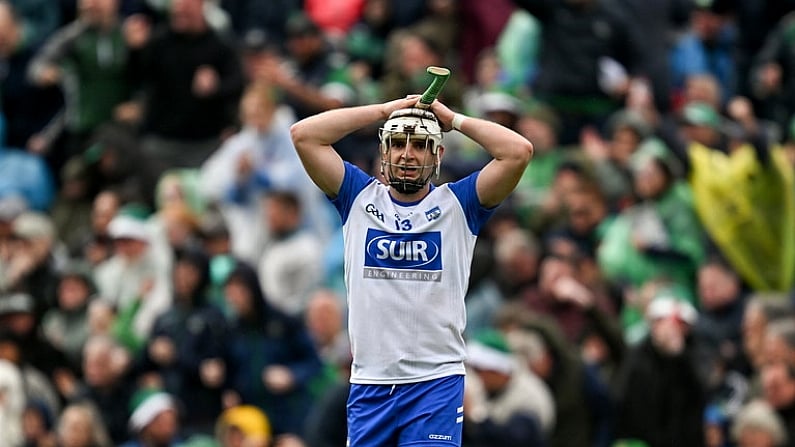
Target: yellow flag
749, 211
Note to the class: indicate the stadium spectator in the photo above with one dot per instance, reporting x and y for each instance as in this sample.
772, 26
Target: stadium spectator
188, 70
272, 359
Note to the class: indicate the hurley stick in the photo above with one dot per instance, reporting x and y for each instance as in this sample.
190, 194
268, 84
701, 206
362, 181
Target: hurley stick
440, 76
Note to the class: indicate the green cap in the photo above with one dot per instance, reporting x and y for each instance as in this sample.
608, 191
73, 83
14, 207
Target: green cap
136, 210
701, 114
145, 404
489, 350
655, 149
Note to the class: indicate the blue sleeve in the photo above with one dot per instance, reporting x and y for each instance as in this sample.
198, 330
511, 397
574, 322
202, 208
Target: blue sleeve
467, 196
355, 180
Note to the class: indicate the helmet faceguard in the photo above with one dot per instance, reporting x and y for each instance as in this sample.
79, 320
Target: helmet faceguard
404, 128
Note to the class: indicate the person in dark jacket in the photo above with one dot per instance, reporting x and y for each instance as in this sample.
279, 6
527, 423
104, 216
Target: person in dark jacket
186, 348
272, 359
188, 70
660, 397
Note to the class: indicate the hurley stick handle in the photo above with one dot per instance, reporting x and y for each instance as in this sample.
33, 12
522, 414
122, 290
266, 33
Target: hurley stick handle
440, 76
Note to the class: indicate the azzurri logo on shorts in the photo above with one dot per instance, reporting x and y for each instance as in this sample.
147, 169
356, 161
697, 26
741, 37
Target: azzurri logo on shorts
407, 256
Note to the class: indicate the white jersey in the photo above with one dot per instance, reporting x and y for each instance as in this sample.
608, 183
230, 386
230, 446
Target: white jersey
407, 270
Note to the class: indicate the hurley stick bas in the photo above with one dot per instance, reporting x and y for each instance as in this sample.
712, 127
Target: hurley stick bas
440, 76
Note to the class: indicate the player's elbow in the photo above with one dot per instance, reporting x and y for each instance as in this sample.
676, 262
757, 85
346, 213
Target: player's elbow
299, 133
524, 151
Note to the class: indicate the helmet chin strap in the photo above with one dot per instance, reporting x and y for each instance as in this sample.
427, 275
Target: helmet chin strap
405, 187
402, 185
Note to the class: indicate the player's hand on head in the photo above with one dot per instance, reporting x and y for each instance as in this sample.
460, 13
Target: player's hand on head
397, 104
443, 114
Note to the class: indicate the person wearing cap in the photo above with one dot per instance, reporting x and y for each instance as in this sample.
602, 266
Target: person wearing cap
502, 107
660, 393
702, 123
133, 280
243, 426
154, 419
505, 403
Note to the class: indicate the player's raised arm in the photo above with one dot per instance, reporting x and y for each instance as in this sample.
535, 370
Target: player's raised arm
510, 151
313, 138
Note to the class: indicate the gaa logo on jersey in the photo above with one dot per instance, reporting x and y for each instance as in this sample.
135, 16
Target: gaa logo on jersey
403, 251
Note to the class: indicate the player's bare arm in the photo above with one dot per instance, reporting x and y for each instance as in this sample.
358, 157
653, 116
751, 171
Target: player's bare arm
510, 151
313, 138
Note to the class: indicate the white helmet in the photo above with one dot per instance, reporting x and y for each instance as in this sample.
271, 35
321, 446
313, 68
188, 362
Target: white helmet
408, 125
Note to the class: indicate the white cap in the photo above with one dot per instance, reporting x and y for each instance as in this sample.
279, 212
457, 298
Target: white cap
127, 227
149, 409
488, 358
667, 306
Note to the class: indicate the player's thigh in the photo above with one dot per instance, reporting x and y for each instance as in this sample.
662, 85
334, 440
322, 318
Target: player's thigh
432, 413
372, 416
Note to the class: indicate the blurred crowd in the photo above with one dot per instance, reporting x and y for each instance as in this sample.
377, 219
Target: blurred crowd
169, 275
